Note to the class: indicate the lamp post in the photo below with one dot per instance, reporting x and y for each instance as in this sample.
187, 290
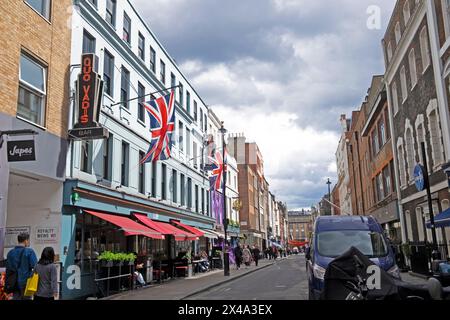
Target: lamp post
226, 255
329, 192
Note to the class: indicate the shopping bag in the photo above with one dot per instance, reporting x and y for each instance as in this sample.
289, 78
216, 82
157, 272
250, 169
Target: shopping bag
32, 285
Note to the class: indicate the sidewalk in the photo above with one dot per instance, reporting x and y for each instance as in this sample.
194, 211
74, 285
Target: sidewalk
183, 288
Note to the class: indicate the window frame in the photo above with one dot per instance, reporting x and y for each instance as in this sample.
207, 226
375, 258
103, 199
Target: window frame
32, 89
48, 7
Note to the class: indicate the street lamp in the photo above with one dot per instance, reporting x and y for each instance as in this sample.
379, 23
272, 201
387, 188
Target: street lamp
226, 255
329, 192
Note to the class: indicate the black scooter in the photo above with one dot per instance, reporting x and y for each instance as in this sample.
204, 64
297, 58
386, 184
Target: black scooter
353, 276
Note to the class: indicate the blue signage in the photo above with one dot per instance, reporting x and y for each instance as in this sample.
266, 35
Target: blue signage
419, 177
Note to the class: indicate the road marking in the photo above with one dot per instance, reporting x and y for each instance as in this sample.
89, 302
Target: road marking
227, 289
280, 286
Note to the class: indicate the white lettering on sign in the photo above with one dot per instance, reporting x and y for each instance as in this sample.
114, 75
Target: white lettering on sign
19, 151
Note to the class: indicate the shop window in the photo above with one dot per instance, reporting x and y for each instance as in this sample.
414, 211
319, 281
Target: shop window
32, 90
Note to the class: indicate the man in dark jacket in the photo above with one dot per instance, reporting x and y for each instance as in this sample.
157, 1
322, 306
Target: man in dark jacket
238, 256
21, 259
256, 253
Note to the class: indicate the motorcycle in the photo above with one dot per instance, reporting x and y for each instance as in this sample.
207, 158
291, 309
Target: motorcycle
353, 276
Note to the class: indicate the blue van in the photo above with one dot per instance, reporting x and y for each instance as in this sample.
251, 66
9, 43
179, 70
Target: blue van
334, 235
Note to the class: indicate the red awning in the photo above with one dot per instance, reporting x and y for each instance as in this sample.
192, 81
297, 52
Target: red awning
166, 228
130, 227
193, 230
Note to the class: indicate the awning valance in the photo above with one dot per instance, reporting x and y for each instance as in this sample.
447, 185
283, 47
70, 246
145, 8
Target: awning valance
209, 234
442, 220
166, 228
130, 227
192, 230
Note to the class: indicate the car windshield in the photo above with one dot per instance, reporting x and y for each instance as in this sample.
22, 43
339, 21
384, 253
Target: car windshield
332, 244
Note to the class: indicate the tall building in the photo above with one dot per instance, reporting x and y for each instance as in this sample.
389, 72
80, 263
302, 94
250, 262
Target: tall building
107, 179
378, 176
299, 226
343, 169
250, 184
418, 112
34, 90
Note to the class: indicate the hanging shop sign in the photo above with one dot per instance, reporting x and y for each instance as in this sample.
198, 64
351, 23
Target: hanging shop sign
419, 177
89, 95
19, 151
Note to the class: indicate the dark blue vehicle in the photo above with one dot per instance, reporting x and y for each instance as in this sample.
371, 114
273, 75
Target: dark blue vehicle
334, 235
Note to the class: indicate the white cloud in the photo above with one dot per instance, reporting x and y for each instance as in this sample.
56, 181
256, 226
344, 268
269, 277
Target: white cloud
281, 71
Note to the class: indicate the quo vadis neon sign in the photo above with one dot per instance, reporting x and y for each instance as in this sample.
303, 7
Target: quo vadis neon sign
89, 93
89, 97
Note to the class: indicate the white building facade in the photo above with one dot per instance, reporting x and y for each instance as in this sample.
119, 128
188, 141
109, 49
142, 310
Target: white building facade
106, 175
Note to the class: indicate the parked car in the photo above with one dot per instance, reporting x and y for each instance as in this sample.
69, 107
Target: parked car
334, 235
295, 250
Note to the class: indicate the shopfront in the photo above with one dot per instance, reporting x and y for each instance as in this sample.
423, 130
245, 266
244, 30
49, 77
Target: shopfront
98, 220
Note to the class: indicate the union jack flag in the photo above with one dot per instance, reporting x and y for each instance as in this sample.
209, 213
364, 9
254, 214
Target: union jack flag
162, 124
216, 167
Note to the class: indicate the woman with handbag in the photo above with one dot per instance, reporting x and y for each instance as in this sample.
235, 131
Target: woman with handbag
48, 276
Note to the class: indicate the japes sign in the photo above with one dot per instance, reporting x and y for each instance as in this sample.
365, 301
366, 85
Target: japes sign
19, 151
89, 97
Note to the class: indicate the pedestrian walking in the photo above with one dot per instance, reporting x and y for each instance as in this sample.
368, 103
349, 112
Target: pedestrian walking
247, 256
256, 253
48, 276
20, 262
238, 256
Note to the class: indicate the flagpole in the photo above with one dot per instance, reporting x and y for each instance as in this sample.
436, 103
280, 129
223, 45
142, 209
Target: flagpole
149, 94
226, 257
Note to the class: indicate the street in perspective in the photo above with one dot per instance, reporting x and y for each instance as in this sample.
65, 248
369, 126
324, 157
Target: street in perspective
241, 150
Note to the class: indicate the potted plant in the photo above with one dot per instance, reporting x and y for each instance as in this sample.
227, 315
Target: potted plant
107, 259
130, 258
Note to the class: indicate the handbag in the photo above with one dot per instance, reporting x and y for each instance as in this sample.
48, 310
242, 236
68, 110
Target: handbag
32, 285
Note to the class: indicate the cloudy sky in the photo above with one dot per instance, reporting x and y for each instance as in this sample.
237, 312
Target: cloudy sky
280, 71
